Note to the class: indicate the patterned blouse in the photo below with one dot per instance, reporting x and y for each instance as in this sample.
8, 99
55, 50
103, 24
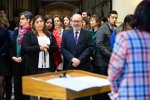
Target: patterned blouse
129, 67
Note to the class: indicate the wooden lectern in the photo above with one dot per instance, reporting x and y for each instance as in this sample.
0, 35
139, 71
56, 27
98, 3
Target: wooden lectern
36, 85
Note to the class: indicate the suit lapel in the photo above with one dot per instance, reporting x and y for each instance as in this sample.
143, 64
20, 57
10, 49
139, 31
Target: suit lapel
79, 43
72, 38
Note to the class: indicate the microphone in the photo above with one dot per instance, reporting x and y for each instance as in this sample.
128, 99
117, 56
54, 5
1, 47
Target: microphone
63, 75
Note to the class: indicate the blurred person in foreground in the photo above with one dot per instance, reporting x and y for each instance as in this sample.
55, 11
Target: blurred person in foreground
129, 70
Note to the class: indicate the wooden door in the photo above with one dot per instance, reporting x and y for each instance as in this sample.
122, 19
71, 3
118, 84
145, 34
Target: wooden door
60, 11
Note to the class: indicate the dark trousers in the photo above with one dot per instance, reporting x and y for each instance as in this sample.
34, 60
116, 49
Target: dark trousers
8, 90
18, 88
102, 70
2, 87
102, 96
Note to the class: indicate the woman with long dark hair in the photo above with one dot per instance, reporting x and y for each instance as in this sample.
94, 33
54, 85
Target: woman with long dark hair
49, 22
39, 45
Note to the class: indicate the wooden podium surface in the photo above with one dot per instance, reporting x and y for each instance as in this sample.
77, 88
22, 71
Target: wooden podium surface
36, 85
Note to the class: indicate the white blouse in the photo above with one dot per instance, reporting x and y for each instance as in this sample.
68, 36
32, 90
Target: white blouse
43, 56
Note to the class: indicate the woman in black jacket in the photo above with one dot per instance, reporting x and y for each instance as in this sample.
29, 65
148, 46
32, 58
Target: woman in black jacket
39, 45
18, 53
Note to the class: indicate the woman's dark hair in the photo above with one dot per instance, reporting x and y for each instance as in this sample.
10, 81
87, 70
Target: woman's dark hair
128, 19
66, 17
33, 28
87, 21
61, 21
27, 14
69, 27
142, 16
58, 17
47, 17
104, 19
78, 12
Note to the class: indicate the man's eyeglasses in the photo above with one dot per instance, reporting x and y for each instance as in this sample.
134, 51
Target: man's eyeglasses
76, 21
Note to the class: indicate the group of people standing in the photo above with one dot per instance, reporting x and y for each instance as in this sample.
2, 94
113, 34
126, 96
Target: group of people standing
32, 45
46, 44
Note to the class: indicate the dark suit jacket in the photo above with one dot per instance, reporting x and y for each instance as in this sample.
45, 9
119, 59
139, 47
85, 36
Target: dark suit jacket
82, 51
5, 59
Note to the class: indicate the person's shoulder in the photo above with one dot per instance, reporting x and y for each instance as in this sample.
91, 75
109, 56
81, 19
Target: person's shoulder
103, 27
86, 31
30, 33
16, 30
100, 30
10, 32
133, 33
127, 34
2, 31
48, 33
67, 31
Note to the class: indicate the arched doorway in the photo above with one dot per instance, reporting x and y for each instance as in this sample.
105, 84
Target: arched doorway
63, 11
59, 8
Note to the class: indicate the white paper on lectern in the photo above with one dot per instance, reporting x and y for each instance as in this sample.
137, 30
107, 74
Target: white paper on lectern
79, 83
99, 82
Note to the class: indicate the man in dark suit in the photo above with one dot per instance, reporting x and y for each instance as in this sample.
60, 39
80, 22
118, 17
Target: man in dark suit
77, 46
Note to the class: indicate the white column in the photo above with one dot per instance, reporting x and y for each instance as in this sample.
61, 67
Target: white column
124, 7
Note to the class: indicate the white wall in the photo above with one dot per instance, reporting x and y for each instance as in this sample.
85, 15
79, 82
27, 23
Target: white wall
124, 7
